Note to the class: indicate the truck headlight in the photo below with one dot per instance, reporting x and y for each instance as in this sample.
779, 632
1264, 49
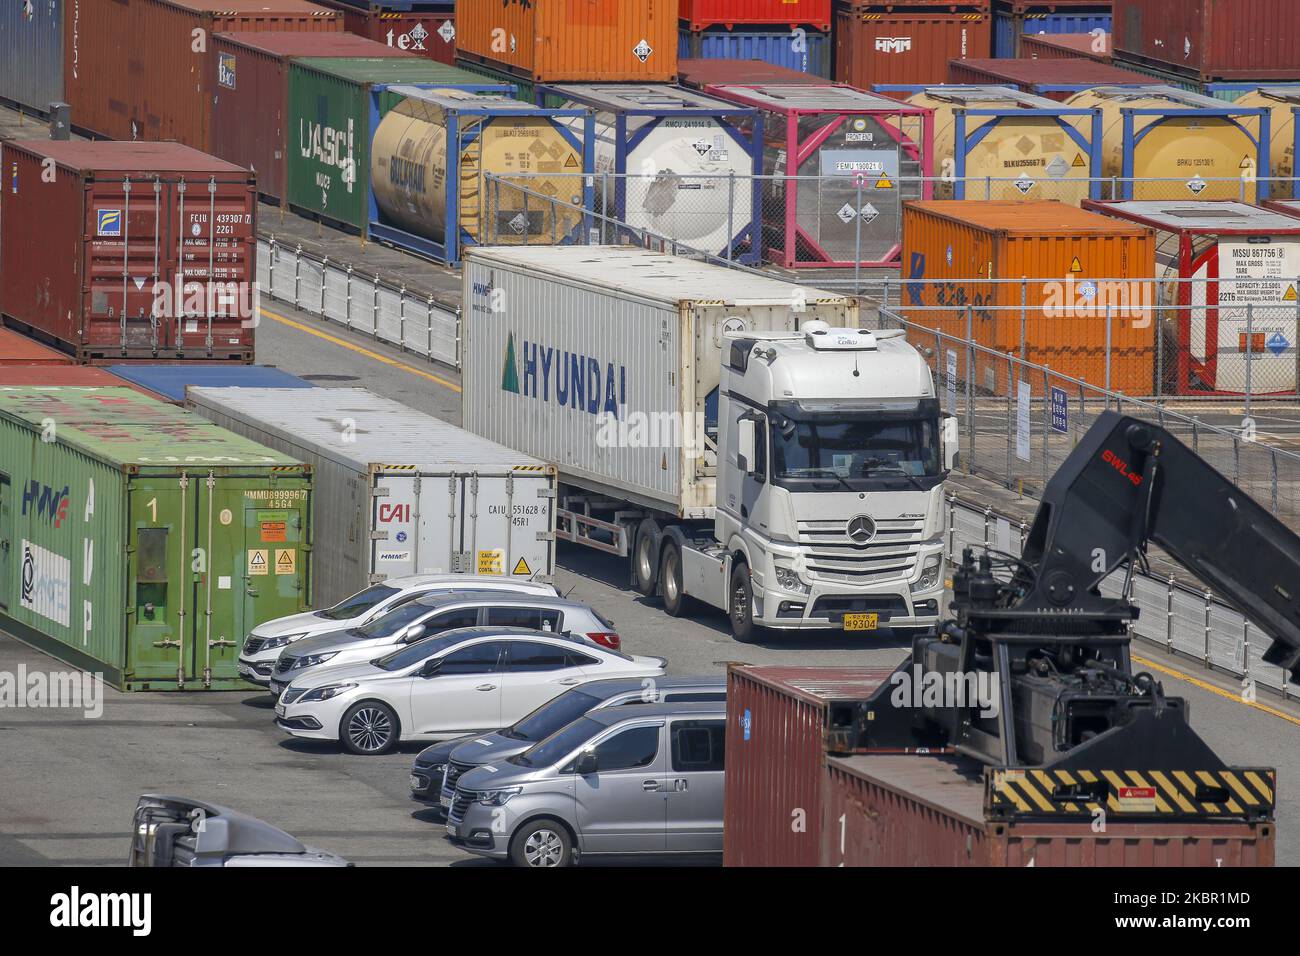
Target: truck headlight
789, 580
930, 572
498, 798
326, 692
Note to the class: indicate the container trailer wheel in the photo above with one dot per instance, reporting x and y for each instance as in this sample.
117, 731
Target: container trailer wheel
676, 603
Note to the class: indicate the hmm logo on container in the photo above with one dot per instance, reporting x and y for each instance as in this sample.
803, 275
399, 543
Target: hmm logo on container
226, 70
893, 44
109, 222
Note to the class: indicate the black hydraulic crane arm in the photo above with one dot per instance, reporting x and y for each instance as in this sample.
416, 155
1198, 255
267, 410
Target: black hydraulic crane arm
1129, 482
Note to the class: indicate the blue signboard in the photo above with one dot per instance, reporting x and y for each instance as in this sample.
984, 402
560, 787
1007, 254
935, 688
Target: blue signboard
1060, 411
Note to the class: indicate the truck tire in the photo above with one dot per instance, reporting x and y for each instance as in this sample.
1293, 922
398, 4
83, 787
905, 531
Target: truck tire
542, 843
676, 602
740, 605
645, 561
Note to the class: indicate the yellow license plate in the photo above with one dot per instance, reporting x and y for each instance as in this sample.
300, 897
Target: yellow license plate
861, 622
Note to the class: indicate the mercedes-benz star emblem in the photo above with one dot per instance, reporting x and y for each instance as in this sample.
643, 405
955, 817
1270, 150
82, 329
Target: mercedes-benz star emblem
861, 528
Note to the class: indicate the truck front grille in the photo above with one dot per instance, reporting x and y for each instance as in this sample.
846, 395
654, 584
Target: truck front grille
890, 555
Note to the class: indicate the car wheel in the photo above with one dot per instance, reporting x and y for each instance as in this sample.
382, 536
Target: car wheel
368, 728
542, 843
676, 603
643, 563
740, 605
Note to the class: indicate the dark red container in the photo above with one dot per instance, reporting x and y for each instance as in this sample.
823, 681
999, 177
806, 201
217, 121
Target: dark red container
911, 44
890, 810
1028, 75
142, 70
427, 30
1065, 46
251, 103
130, 251
697, 74
1211, 40
779, 721
702, 14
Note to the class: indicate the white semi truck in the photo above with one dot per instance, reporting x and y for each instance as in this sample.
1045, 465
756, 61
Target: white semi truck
738, 438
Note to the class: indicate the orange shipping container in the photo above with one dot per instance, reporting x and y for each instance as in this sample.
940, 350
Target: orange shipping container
571, 41
1067, 269
18, 349
142, 69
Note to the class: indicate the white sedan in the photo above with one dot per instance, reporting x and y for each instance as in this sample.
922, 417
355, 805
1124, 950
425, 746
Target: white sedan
461, 682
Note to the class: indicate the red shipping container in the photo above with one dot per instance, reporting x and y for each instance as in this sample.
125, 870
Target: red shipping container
702, 14
62, 376
141, 69
888, 810
1066, 46
251, 103
1029, 75
17, 349
424, 32
874, 44
1211, 40
780, 723
697, 74
131, 250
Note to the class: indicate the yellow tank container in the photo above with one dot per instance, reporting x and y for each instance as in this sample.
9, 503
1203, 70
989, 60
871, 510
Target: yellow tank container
998, 143
1281, 102
409, 169
1187, 145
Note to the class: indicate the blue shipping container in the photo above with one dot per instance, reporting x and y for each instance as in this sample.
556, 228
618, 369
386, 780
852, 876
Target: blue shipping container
31, 52
1006, 25
804, 50
170, 381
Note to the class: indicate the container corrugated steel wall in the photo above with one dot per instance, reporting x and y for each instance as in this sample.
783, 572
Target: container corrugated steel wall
1011, 24
882, 810
31, 53
132, 70
18, 349
811, 55
904, 47
578, 41
1208, 40
1065, 46
424, 30
952, 246
700, 14
102, 523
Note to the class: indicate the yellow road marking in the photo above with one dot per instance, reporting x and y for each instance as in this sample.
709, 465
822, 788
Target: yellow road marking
360, 350
1226, 695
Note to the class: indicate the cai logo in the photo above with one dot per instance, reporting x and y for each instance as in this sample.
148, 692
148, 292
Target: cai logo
109, 222
226, 70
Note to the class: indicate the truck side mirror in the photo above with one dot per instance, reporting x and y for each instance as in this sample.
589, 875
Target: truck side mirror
746, 437
951, 441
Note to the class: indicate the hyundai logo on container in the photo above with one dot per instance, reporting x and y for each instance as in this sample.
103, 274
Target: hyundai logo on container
550, 374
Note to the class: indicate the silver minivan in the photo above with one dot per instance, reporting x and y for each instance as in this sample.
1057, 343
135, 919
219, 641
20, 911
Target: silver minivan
620, 781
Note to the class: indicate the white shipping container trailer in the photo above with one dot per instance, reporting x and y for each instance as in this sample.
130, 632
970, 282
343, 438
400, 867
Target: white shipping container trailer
740, 439
400, 492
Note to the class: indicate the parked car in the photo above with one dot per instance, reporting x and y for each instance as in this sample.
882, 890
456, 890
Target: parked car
433, 614
265, 642
473, 679
438, 767
180, 832
618, 781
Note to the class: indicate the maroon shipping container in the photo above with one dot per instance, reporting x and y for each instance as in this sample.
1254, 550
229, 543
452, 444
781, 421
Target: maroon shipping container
424, 32
142, 70
1028, 75
131, 251
697, 74
1066, 46
62, 376
1211, 40
888, 810
702, 14
18, 349
251, 103
876, 44
779, 722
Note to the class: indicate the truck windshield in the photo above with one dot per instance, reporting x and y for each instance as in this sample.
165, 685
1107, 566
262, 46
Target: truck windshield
854, 449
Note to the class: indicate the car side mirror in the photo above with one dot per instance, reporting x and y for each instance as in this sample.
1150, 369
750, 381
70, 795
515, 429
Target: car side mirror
746, 438
951, 441
413, 633
586, 763
431, 667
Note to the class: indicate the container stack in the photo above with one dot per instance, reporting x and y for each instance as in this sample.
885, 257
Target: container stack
421, 27
888, 43
1015, 19
790, 33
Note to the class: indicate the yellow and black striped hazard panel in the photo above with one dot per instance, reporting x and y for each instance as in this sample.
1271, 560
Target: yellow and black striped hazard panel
1236, 792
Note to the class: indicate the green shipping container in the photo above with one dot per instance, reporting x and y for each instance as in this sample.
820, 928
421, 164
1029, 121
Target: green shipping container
141, 541
333, 111
526, 89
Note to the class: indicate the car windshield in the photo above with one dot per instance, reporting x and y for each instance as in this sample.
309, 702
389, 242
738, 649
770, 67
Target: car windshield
413, 654
559, 745
390, 624
854, 449
359, 603
552, 716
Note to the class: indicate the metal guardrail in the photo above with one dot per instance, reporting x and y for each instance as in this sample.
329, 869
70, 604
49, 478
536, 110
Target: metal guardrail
1182, 618
363, 302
